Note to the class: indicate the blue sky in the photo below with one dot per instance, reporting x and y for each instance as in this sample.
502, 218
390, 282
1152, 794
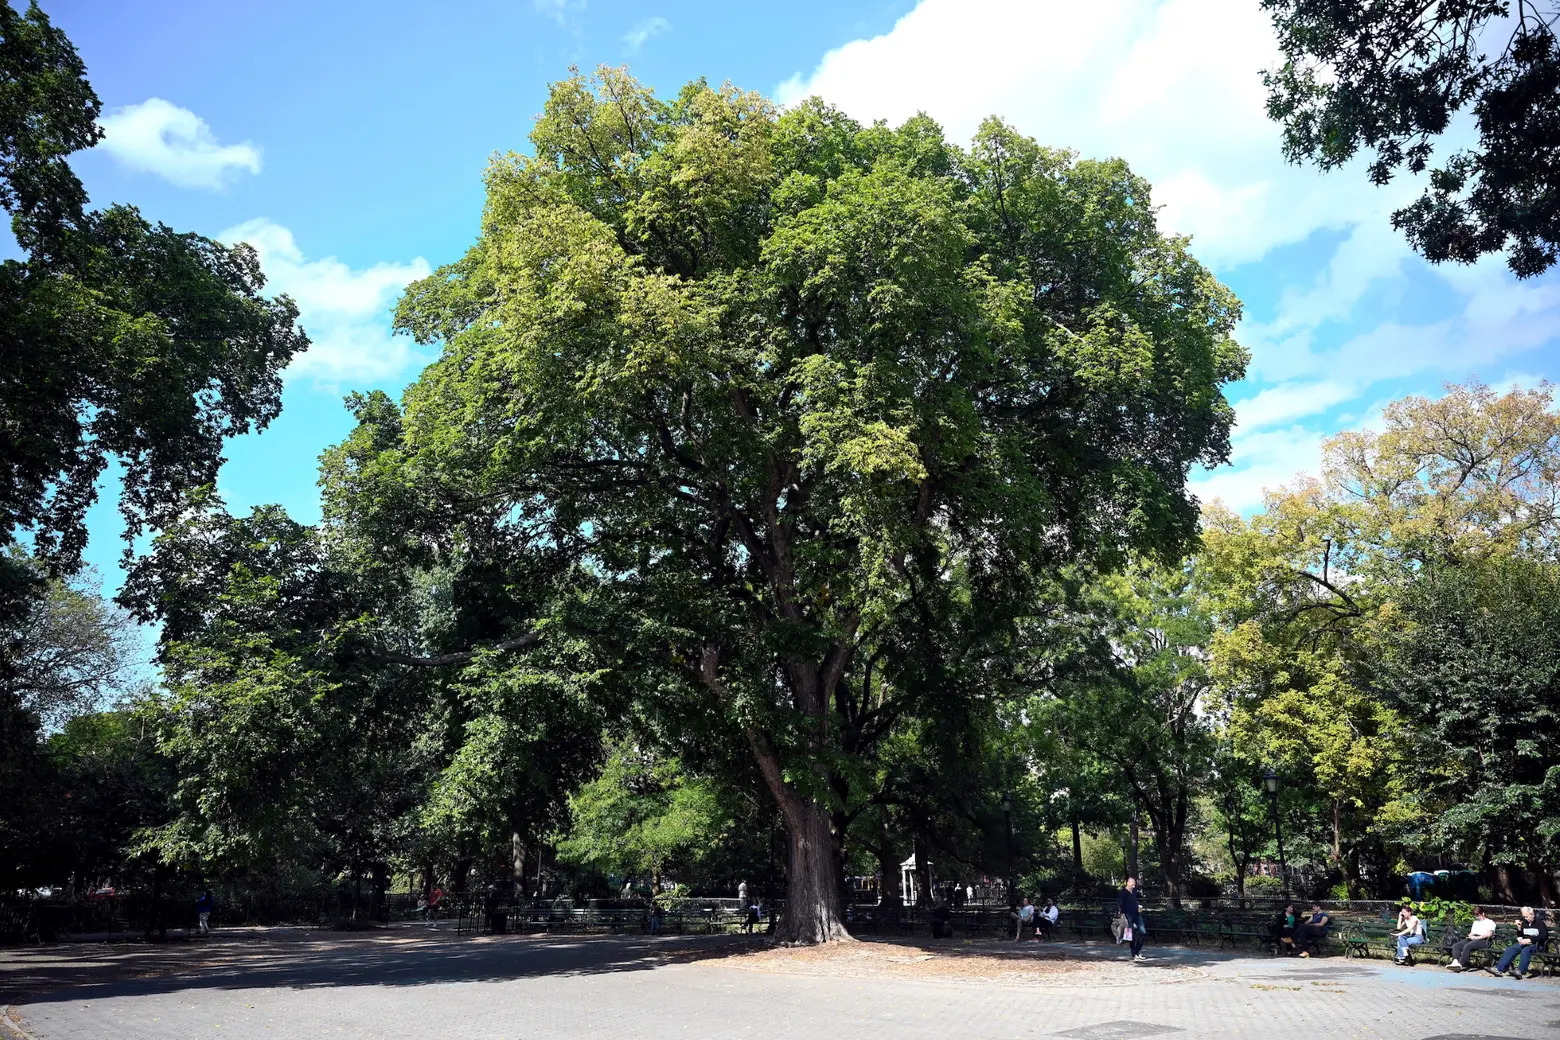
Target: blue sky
346, 140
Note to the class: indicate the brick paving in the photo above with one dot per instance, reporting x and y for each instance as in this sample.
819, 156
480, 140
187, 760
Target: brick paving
428, 986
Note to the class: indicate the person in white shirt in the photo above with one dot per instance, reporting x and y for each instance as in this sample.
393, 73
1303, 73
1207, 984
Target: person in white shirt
1478, 939
1049, 916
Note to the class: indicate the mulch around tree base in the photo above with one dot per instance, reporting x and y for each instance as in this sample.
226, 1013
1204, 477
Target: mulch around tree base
988, 961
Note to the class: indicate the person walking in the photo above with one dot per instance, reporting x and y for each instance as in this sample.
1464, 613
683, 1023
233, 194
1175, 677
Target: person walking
1532, 934
203, 908
1410, 932
1127, 905
1479, 935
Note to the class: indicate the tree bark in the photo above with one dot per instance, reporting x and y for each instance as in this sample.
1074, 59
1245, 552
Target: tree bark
1170, 866
381, 890
888, 865
517, 863
1077, 849
1132, 844
1501, 885
1543, 883
923, 875
813, 911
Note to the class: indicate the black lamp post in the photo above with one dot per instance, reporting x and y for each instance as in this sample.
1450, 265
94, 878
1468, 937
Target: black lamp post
1007, 813
1270, 784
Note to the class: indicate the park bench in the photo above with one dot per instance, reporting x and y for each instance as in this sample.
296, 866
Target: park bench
1453, 933
1240, 929
1364, 938
1087, 924
1546, 959
1172, 925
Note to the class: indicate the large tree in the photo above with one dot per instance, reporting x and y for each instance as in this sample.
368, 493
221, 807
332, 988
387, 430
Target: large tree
119, 339
1390, 76
1476, 668
788, 405
1311, 595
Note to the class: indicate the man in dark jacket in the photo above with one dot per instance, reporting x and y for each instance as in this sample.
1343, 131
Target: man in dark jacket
1532, 934
1127, 906
203, 908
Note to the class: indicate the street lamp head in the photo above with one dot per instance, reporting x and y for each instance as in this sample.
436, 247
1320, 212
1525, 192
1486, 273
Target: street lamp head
1007, 802
1270, 782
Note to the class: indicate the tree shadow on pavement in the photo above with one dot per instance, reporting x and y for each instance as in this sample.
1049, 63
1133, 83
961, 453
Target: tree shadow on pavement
57, 973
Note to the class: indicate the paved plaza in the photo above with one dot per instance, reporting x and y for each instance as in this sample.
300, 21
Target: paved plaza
434, 986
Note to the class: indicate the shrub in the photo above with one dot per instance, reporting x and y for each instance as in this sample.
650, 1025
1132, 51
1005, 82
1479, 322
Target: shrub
1263, 885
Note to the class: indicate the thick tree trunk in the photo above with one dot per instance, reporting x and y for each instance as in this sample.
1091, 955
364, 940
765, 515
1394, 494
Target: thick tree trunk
813, 911
517, 864
381, 890
923, 875
888, 866
1501, 884
1132, 846
1543, 883
1170, 866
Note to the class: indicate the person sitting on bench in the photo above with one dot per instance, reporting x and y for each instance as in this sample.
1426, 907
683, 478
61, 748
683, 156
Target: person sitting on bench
1025, 917
1532, 934
1478, 939
1284, 929
1045, 920
1410, 932
1313, 930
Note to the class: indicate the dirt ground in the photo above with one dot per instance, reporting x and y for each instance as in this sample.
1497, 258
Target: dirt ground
980, 960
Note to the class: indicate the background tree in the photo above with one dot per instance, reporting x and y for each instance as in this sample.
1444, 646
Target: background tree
72, 653
67, 656
1309, 597
1139, 706
643, 816
1240, 812
1476, 668
1391, 76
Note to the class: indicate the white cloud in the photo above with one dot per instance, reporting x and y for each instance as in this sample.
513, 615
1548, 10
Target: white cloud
1290, 401
560, 11
1267, 459
1172, 86
1175, 88
346, 312
159, 137
652, 26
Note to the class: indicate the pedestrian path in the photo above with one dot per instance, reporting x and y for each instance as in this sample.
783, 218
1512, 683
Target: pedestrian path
649, 988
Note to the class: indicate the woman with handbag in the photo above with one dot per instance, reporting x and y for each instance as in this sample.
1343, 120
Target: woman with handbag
1127, 907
